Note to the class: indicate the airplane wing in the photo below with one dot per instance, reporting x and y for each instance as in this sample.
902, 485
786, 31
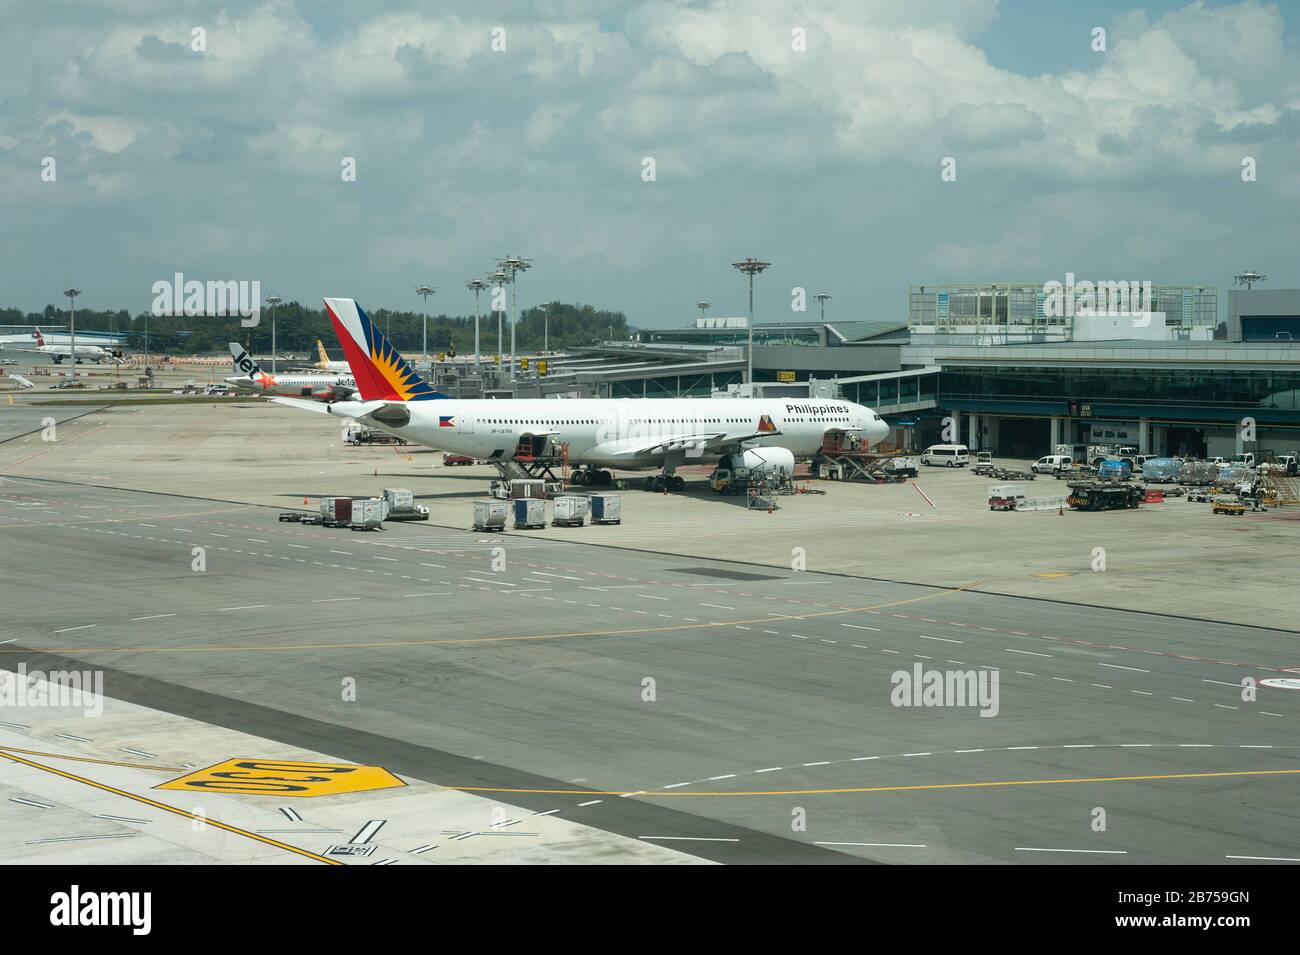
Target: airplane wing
303, 404
714, 442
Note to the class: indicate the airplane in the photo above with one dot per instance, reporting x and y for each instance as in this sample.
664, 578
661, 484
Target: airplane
315, 385
325, 363
624, 433
85, 353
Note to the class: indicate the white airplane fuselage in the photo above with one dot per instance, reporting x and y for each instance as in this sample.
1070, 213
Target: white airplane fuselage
85, 353
295, 385
623, 432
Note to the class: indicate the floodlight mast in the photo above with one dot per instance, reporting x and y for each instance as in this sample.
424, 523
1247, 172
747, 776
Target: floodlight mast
1248, 278
822, 298
512, 265
476, 286
750, 267
72, 292
273, 301
500, 277
424, 291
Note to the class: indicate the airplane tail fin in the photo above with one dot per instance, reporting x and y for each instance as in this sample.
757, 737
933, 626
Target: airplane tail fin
382, 374
324, 356
40, 339
244, 363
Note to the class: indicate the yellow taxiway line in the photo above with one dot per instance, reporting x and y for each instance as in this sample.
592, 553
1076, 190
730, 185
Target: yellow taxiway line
172, 809
880, 789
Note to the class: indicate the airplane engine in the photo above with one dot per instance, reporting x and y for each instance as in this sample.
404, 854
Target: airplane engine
763, 460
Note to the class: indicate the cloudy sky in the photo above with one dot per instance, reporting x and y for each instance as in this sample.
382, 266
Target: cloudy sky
826, 160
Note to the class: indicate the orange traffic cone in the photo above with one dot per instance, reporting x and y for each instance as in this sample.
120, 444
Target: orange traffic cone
1060, 510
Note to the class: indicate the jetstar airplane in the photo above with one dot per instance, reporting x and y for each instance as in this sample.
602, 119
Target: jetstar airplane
624, 433
325, 386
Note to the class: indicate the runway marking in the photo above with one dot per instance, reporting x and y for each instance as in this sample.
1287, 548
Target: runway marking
153, 616
1264, 858
882, 789
246, 607
70, 629
877, 845
1028, 653
1116, 666
685, 839
944, 639
172, 809
1103, 852
329, 600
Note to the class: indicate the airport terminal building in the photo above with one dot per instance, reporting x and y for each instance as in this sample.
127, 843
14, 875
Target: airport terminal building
1018, 379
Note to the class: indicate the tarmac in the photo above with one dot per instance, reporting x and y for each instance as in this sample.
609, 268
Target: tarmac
701, 683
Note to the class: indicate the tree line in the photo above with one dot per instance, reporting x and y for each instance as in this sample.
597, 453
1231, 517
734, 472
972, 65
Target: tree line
297, 328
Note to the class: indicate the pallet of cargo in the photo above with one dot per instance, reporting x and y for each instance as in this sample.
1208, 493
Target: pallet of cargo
1103, 495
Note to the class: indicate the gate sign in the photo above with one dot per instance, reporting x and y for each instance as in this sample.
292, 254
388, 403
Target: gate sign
785, 376
278, 777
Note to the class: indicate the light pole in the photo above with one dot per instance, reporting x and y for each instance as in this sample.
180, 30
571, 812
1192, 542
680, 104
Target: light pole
425, 291
822, 297
273, 301
546, 327
476, 286
703, 307
513, 265
72, 292
500, 277
751, 267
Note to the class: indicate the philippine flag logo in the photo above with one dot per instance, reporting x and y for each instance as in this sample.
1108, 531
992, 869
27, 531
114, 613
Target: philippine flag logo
446, 421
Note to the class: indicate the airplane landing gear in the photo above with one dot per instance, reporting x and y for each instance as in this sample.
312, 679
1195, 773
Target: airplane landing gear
592, 476
665, 482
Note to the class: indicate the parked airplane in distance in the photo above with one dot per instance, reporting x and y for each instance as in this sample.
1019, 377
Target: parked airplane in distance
85, 352
325, 364
625, 433
326, 386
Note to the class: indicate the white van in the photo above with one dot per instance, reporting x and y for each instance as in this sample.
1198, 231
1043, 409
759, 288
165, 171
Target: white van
948, 455
1053, 464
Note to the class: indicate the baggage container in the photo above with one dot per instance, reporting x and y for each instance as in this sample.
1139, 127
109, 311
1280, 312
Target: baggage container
490, 515
368, 514
335, 511
528, 487
606, 509
402, 506
529, 512
571, 510
399, 499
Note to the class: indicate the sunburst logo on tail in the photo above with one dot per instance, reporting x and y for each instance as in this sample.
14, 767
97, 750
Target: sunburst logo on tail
381, 372
765, 423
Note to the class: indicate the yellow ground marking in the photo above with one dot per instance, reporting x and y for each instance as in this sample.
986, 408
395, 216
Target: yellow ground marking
1054, 575
469, 641
283, 777
172, 809
879, 789
88, 759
